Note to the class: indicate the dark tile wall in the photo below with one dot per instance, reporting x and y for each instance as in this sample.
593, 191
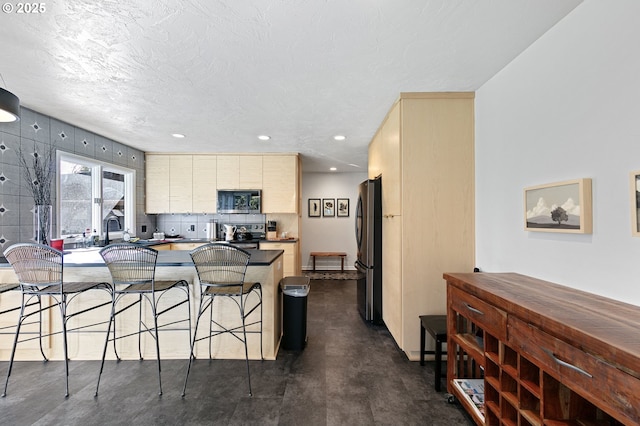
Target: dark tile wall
35, 129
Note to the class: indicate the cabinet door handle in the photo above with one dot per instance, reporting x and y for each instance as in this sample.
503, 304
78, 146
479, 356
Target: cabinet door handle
472, 309
566, 364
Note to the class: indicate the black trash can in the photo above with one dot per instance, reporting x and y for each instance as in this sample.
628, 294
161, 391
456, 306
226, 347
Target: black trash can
294, 312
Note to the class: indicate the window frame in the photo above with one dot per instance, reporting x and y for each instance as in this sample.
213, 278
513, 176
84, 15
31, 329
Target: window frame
97, 169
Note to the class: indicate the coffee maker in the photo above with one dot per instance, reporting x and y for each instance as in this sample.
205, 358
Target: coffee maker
272, 232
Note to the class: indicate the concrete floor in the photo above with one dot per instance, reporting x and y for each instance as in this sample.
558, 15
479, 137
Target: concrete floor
350, 373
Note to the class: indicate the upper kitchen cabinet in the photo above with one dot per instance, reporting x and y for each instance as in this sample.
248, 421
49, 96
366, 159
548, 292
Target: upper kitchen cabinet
384, 155
239, 171
204, 183
250, 172
157, 183
168, 183
228, 171
390, 162
280, 184
424, 153
187, 183
180, 183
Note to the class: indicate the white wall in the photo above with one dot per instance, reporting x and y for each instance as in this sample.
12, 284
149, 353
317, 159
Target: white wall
567, 108
329, 233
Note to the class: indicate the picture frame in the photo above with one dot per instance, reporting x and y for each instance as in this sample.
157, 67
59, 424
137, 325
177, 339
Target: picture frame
559, 207
342, 207
634, 198
328, 207
314, 207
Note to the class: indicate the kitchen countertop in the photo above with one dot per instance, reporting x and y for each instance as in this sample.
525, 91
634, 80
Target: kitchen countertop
163, 257
204, 240
90, 257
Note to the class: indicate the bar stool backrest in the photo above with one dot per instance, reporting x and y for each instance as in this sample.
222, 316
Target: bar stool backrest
130, 264
36, 265
220, 265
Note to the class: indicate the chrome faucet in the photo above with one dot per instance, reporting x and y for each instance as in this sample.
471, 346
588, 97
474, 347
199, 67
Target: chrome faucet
106, 233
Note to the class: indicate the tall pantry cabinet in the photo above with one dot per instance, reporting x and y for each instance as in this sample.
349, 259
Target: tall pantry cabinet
424, 152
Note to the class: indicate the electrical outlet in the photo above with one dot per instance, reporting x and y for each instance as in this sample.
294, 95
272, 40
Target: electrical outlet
144, 228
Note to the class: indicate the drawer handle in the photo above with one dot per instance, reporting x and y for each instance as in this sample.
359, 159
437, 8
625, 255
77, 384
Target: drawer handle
472, 309
566, 364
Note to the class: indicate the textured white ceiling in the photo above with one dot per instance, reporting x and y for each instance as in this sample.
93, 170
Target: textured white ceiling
224, 72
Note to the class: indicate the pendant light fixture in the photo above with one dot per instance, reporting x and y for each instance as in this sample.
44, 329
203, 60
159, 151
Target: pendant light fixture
9, 105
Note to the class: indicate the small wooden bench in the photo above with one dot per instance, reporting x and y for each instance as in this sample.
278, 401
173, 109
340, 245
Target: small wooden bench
339, 254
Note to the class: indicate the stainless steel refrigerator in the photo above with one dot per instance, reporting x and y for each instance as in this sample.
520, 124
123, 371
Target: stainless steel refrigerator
369, 250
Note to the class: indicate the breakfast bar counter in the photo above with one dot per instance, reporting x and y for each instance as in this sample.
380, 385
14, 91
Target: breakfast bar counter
265, 267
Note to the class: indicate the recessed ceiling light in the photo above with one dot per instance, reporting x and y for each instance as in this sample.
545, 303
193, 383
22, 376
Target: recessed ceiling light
177, 135
339, 137
264, 137
333, 169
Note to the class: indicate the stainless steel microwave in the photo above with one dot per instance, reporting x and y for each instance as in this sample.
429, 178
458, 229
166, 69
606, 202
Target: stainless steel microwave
239, 201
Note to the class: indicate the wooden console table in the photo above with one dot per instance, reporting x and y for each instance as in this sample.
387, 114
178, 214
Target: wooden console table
545, 354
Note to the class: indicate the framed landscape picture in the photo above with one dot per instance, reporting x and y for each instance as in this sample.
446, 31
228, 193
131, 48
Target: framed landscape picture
328, 207
559, 207
343, 207
634, 186
314, 207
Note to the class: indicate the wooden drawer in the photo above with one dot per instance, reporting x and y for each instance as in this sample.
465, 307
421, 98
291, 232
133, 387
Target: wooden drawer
486, 316
592, 378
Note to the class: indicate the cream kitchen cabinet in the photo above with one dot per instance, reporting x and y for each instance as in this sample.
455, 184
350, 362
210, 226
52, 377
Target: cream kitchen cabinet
187, 183
239, 171
250, 172
424, 152
291, 259
157, 183
390, 163
280, 184
204, 183
180, 183
228, 171
168, 183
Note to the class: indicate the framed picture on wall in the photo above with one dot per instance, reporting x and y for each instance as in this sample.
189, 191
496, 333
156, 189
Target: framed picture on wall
634, 186
559, 207
314, 207
343, 207
328, 207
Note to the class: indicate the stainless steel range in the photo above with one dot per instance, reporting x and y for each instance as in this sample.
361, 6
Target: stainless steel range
246, 235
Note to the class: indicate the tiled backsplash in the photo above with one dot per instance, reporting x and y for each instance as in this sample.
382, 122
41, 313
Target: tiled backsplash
16, 202
195, 225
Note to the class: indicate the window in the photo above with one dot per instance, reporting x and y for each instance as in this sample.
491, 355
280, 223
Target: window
94, 195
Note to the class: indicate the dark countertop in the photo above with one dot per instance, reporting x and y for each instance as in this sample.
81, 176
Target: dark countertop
164, 259
204, 240
281, 240
91, 257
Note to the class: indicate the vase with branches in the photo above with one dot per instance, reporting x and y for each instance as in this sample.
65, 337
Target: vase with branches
38, 170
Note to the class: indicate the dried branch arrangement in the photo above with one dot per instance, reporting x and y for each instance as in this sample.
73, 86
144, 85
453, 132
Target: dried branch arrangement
38, 173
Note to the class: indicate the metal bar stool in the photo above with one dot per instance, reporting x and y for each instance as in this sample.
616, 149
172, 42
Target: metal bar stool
221, 270
132, 270
38, 302
40, 272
